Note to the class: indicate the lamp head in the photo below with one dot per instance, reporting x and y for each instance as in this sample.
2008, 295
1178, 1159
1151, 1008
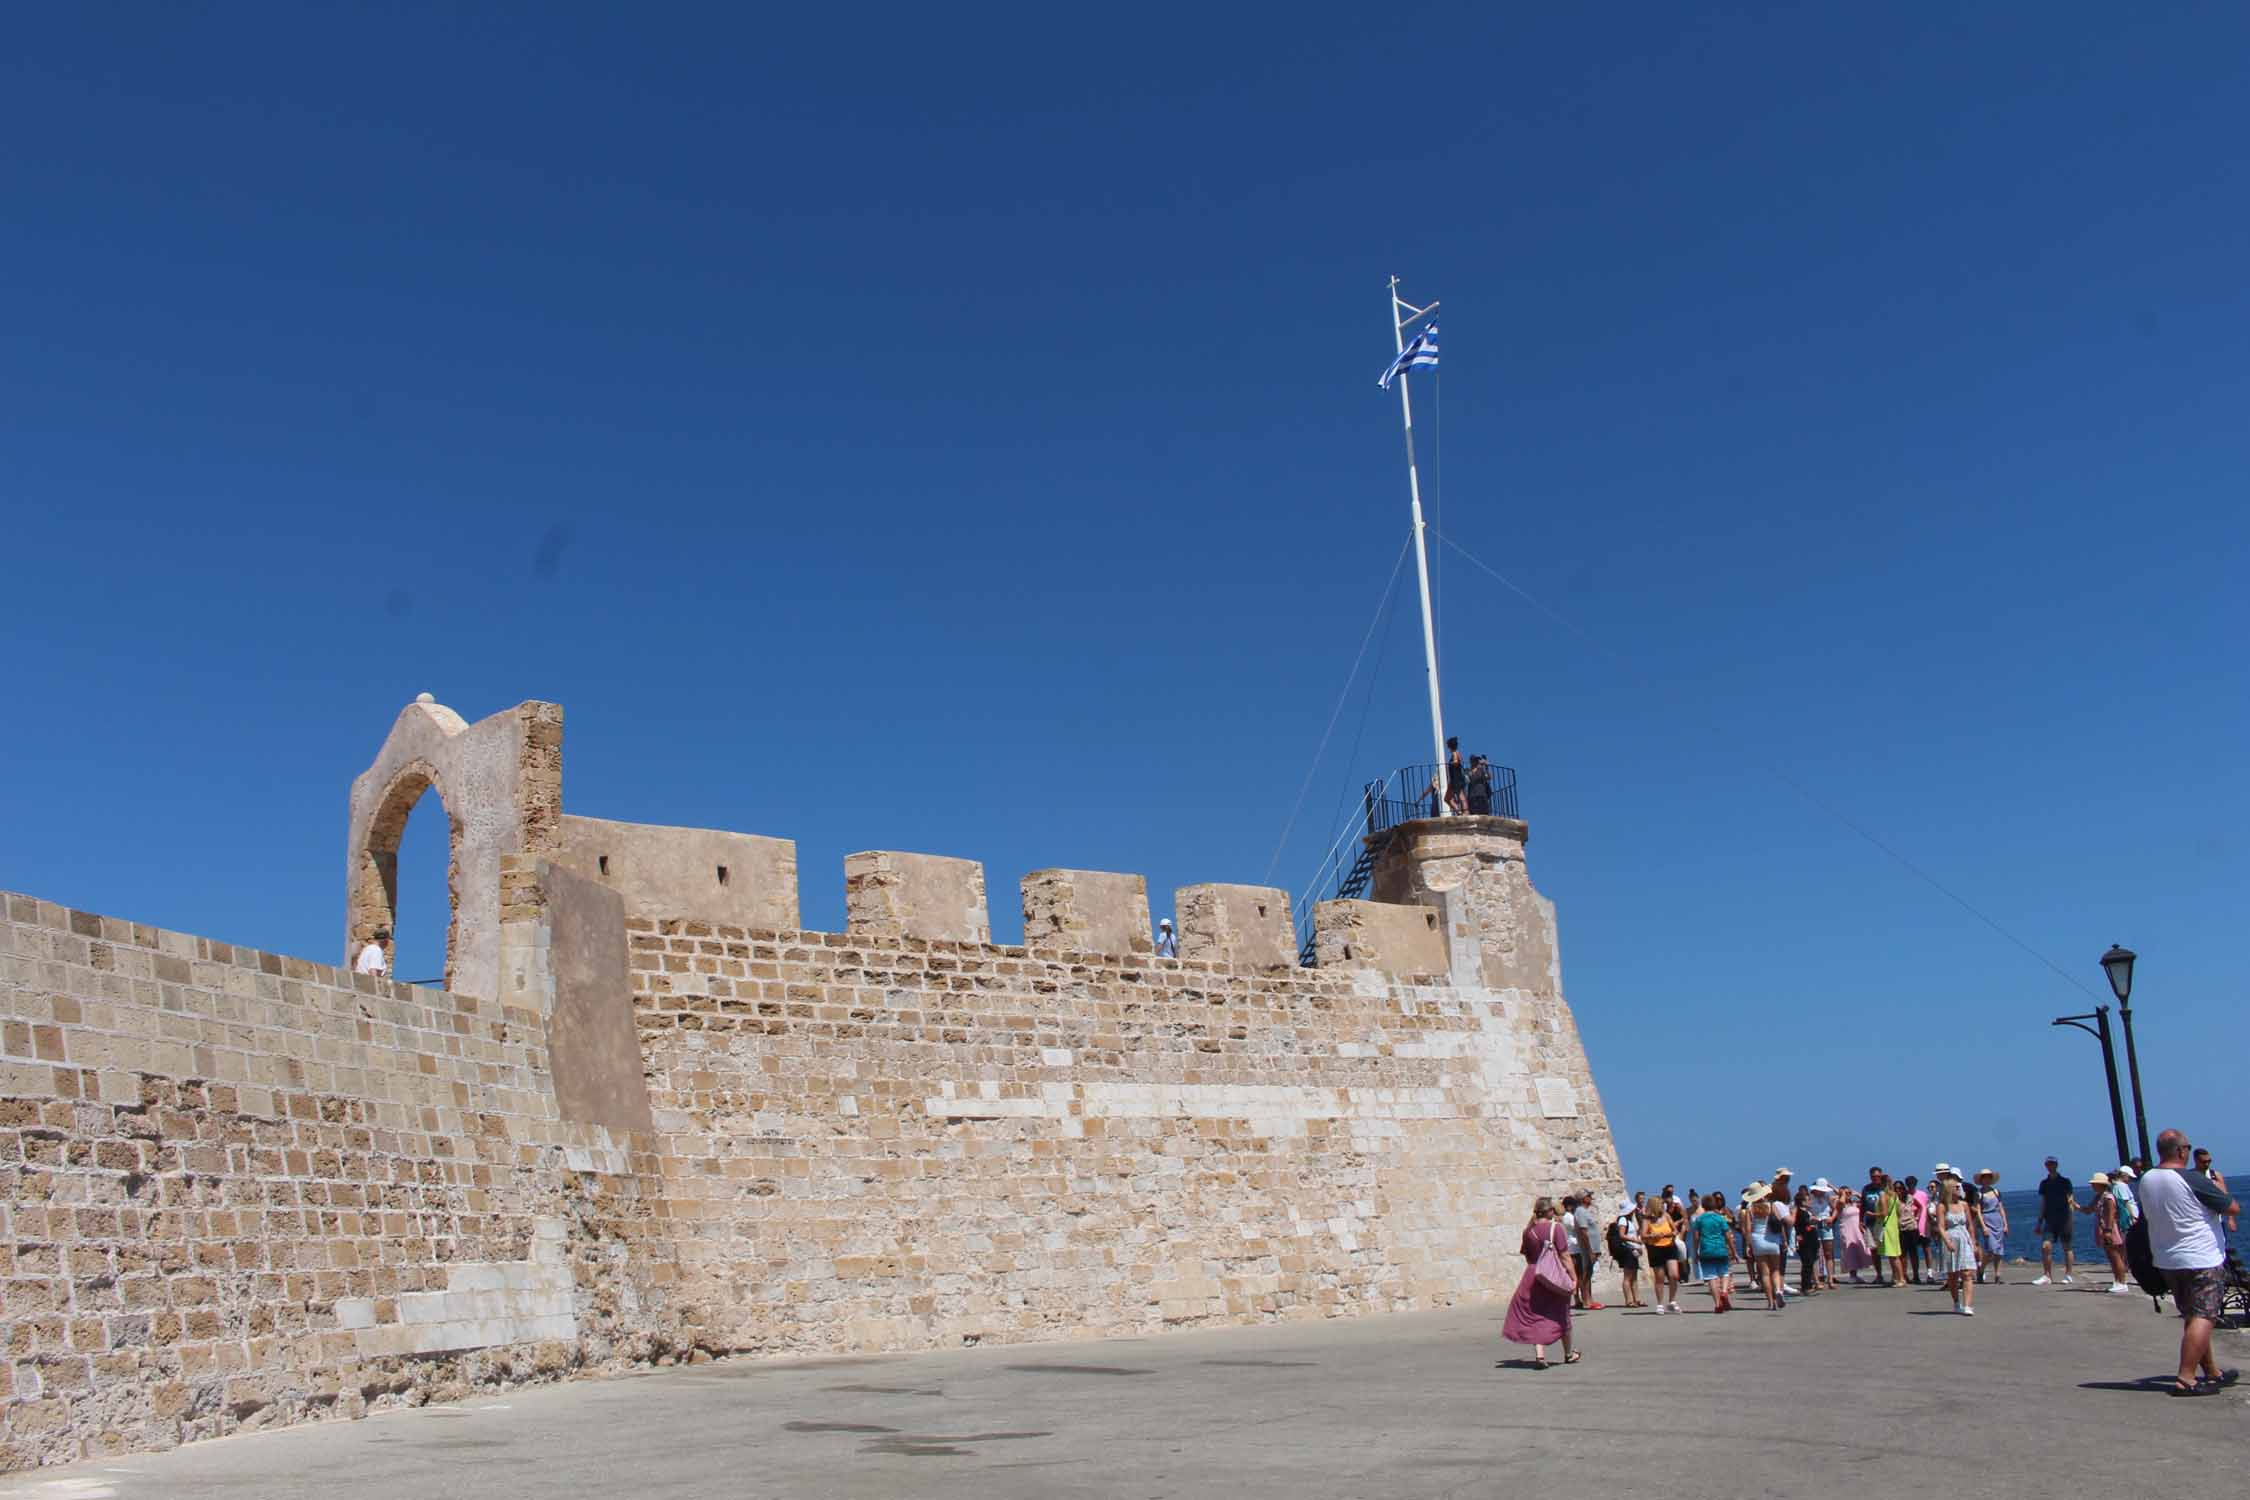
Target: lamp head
2117, 963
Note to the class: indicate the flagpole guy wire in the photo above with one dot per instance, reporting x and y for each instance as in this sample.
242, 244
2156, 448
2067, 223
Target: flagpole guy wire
1403, 313
1382, 606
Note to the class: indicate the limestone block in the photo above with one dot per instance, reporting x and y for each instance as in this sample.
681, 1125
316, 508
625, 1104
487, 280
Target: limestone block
890, 894
700, 874
1245, 925
1405, 942
1085, 911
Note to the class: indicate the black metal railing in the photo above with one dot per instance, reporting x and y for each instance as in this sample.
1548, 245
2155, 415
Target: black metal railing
1408, 793
1416, 792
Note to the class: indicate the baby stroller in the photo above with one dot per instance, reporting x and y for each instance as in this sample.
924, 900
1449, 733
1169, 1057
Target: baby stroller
2234, 1302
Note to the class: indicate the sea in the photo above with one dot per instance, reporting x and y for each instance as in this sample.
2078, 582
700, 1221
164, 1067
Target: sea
2023, 1217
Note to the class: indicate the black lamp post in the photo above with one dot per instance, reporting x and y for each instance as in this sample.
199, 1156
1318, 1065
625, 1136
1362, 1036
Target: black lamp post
2099, 1031
2117, 963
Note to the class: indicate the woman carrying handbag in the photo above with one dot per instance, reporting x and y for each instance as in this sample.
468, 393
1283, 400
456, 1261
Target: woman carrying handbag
1539, 1313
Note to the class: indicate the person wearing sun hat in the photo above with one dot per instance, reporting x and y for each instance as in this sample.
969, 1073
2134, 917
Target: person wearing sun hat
1993, 1214
2109, 1234
2121, 1188
1821, 1203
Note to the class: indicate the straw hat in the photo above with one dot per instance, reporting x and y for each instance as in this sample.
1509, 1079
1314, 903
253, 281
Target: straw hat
2099, 1179
1984, 1172
1755, 1192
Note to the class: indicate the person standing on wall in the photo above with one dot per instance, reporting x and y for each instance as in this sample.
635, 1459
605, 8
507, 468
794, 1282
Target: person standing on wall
372, 959
2184, 1212
1456, 777
1480, 786
1167, 942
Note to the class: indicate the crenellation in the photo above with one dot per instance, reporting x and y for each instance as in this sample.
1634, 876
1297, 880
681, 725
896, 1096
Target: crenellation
245, 1189
919, 898
1236, 925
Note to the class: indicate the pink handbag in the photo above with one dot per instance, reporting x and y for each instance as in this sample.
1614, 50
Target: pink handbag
1553, 1273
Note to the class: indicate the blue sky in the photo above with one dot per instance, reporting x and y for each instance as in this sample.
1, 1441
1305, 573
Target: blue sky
957, 431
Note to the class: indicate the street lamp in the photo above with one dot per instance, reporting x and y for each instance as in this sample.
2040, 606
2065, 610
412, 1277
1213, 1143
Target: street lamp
2099, 1031
2117, 964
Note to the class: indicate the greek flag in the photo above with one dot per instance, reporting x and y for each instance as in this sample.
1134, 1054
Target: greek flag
1420, 350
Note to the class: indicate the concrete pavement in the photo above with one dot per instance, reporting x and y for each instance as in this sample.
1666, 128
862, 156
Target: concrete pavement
2046, 1392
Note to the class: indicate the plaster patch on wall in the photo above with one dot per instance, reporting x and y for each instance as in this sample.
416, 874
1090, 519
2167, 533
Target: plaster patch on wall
1558, 1100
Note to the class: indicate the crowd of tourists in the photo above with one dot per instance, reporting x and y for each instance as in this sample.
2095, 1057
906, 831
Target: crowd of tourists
1951, 1231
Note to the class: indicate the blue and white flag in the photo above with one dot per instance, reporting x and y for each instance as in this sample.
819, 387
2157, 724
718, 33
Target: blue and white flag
1420, 352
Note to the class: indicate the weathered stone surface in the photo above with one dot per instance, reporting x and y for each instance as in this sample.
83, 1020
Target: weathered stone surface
1085, 911
591, 1047
699, 873
890, 894
1247, 925
1406, 941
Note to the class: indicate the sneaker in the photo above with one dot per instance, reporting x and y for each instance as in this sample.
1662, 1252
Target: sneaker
1968, 1312
1675, 1307
2120, 1289
2066, 1281
1661, 1309
2045, 1280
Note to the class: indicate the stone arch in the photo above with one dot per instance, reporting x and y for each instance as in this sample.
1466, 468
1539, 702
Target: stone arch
374, 895
500, 780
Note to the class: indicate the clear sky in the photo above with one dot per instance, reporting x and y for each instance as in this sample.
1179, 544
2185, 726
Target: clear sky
956, 430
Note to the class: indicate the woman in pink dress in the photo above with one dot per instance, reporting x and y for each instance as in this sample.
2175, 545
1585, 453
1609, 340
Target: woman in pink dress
1851, 1238
1537, 1314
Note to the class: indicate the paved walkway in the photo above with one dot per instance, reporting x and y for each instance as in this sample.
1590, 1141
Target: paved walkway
2045, 1392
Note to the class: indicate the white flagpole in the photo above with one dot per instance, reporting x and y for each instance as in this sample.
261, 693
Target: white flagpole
1421, 550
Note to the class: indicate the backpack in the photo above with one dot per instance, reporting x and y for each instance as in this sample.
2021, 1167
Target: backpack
1617, 1237
2140, 1259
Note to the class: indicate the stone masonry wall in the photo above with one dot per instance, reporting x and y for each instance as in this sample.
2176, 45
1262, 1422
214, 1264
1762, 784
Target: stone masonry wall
238, 1189
884, 1143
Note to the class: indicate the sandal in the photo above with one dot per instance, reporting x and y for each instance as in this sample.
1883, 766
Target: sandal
1539, 1363
2198, 1389
1574, 1356
2226, 1378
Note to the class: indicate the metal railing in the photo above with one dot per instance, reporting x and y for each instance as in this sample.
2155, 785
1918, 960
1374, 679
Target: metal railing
1415, 792
1408, 793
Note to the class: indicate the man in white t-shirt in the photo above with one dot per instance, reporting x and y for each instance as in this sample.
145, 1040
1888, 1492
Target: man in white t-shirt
371, 959
2184, 1212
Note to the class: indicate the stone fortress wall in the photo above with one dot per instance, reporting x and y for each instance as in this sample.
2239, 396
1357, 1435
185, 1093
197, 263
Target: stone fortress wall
650, 1119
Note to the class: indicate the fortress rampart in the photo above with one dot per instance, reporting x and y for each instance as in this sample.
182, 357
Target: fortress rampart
650, 1120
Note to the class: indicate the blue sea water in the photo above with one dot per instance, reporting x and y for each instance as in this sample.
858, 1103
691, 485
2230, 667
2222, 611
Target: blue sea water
2023, 1216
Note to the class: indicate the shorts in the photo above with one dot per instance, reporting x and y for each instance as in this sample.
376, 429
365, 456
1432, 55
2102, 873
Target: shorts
2059, 1233
1585, 1266
1626, 1259
1661, 1255
1711, 1268
2201, 1293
